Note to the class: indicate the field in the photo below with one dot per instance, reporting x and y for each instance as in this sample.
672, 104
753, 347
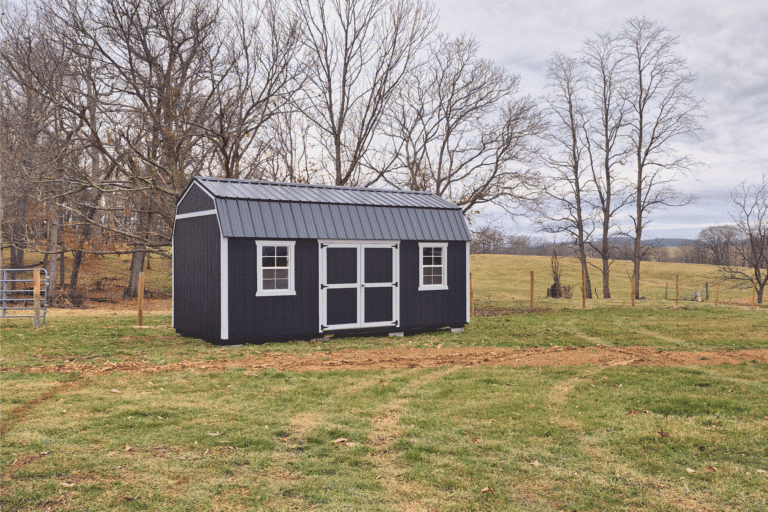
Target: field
655, 407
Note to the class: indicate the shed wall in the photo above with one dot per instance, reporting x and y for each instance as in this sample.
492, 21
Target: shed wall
252, 317
195, 200
196, 277
434, 308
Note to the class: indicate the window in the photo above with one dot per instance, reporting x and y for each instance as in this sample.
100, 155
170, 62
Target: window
275, 268
432, 267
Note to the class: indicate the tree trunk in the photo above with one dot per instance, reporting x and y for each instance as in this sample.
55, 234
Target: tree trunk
605, 254
53, 243
636, 255
137, 265
77, 259
584, 267
61, 267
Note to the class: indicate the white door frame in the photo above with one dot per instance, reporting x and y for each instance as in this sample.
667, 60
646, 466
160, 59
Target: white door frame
323, 245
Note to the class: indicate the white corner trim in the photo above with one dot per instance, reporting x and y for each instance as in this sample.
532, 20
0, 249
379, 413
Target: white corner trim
195, 214
224, 274
468, 296
444, 286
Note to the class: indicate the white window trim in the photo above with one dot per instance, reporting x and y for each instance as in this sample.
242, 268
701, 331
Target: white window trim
260, 291
431, 287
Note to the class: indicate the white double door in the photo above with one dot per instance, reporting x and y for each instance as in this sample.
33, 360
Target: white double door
359, 285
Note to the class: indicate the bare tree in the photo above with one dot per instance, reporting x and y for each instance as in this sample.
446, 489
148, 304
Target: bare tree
604, 133
153, 62
751, 246
716, 243
567, 187
663, 110
458, 131
361, 50
255, 75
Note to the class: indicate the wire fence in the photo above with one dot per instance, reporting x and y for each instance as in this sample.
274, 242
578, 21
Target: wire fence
536, 291
102, 282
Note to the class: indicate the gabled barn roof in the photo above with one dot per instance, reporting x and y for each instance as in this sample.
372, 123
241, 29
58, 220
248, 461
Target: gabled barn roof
259, 209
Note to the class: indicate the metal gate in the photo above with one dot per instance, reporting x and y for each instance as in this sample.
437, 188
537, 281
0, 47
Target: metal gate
18, 293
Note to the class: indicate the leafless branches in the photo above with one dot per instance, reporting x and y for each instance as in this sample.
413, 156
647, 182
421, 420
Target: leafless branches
457, 130
750, 214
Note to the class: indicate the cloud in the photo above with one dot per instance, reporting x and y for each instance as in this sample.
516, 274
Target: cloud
724, 43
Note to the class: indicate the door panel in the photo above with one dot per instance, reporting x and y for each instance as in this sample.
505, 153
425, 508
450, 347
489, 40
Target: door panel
378, 304
341, 265
342, 306
378, 265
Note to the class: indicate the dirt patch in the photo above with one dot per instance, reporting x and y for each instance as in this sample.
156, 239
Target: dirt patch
433, 358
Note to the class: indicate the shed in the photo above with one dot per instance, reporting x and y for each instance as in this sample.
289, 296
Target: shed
256, 260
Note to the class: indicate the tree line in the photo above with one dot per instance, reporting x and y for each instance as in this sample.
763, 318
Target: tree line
110, 107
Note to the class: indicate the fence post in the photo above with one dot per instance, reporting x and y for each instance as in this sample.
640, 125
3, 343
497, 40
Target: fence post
583, 288
706, 288
141, 300
471, 296
5, 280
677, 291
666, 289
36, 299
633, 290
717, 295
531, 290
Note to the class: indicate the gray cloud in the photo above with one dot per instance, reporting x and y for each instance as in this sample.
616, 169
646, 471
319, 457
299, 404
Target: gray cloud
725, 44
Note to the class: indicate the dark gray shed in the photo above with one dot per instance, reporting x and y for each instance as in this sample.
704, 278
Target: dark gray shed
255, 260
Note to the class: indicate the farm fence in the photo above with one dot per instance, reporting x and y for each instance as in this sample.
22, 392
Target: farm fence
534, 290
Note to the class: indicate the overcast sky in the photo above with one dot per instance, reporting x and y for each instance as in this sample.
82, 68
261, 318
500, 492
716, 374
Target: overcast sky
725, 44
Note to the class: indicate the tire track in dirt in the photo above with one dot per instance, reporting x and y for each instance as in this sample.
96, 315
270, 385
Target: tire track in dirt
21, 411
396, 358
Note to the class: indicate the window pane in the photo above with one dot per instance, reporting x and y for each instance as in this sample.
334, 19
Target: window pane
437, 260
268, 250
281, 250
427, 251
427, 260
437, 251
281, 284
437, 271
281, 274
269, 284
267, 262
428, 271
269, 273
427, 280
281, 261
437, 279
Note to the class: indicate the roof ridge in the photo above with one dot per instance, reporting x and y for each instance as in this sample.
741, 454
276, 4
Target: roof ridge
313, 185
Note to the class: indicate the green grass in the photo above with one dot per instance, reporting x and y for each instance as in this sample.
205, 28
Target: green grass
558, 438
552, 439
112, 337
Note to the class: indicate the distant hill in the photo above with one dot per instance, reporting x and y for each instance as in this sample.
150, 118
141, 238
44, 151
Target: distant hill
656, 242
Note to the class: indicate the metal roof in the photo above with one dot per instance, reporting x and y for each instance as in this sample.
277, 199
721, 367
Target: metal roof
259, 209
304, 193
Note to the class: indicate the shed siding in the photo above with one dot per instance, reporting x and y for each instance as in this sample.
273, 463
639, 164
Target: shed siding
252, 317
435, 308
196, 283
195, 201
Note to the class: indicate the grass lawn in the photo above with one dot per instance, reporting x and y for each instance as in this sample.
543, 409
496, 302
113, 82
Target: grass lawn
452, 438
533, 438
